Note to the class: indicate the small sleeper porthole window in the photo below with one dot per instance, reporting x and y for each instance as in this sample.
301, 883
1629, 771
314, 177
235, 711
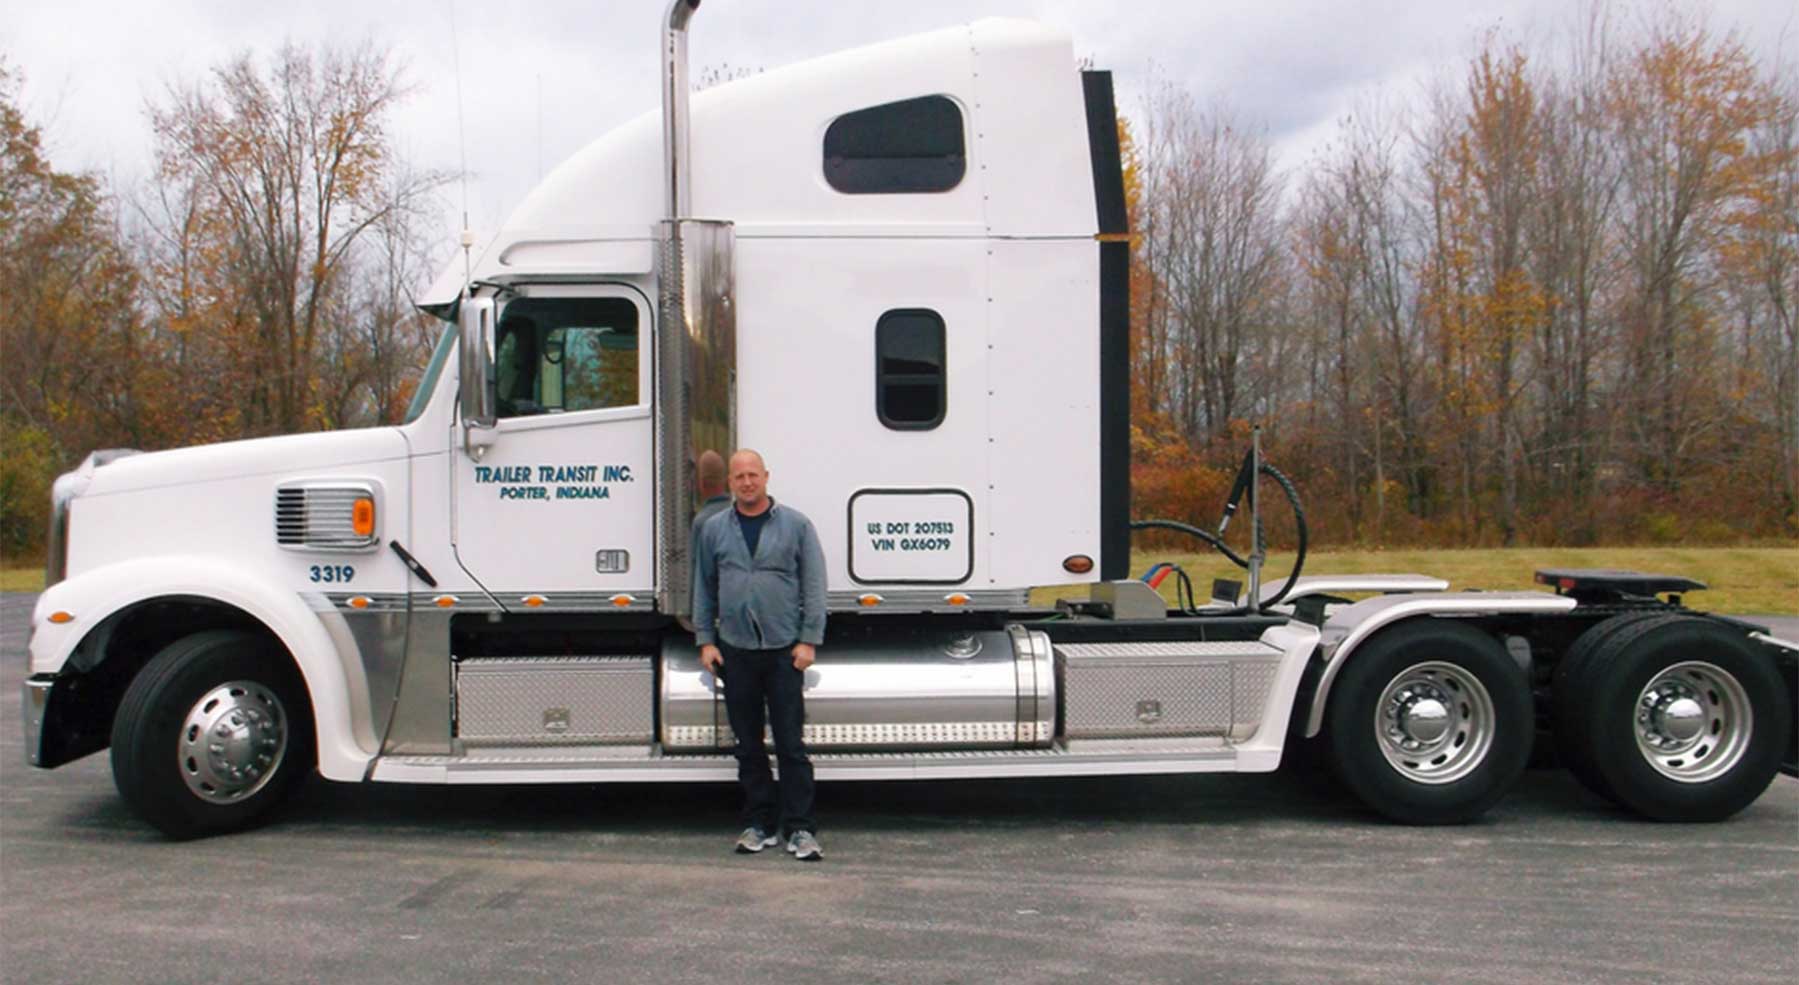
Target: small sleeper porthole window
911, 392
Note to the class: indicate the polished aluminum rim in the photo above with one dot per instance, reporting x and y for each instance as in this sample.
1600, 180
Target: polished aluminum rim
1434, 722
1693, 722
232, 741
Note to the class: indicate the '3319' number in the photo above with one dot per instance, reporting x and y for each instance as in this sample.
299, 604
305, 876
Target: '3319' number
333, 572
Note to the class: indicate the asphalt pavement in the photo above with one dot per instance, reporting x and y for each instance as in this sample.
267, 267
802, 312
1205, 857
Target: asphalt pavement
1279, 878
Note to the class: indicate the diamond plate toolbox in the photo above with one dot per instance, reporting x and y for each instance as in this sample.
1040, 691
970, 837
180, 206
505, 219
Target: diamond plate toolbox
1128, 690
598, 700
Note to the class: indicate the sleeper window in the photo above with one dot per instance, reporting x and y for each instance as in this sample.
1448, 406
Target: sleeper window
910, 386
914, 145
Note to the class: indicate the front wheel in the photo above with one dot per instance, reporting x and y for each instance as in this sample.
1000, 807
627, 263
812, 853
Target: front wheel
213, 732
1430, 723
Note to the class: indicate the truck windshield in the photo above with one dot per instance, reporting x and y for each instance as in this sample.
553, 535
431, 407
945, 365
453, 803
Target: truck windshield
433, 370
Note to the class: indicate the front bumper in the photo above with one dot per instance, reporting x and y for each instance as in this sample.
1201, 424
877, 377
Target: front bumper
34, 699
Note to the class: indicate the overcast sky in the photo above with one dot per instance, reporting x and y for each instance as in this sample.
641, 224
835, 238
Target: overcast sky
539, 79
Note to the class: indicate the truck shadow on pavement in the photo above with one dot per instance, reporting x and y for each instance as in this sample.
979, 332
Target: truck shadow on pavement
1293, 797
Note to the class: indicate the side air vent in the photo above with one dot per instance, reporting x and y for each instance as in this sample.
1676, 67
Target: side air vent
327, 516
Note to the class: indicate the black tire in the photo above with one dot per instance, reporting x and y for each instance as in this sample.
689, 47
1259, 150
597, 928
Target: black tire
1742, 708
1574, 680
1487, 734
155, 735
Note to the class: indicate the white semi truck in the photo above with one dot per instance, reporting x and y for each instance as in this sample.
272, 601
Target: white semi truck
901, 273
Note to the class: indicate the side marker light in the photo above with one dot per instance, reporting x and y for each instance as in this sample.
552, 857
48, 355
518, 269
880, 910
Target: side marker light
1078, 564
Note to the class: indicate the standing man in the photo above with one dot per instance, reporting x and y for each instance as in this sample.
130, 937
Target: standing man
758, 615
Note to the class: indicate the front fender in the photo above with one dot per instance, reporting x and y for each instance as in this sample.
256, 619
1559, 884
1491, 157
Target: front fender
95, 595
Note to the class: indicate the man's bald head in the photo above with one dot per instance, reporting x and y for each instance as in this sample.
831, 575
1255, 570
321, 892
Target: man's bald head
749, 480
748, 456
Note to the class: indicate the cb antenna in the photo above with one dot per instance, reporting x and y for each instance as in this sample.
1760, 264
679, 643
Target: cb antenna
468, 235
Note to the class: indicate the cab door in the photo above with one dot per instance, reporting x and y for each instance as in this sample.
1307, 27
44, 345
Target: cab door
557, 512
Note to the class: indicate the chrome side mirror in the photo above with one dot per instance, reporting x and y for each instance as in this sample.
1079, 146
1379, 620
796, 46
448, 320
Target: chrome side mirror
475, 328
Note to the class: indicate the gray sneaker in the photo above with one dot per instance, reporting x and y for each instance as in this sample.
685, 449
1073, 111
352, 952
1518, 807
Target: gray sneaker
804, 846
754, 839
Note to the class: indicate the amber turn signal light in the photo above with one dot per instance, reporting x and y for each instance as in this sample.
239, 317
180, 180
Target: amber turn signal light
61, 618
362, 517
1078, 564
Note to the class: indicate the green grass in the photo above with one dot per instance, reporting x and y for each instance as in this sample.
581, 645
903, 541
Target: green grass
1749, 580
1757, 580
22, 579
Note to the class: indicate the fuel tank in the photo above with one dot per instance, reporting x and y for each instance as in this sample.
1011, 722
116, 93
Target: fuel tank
933, 689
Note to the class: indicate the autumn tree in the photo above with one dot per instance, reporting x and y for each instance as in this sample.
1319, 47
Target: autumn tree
1211, 240
1684, 106
1570, 234
67, 341
280, 201
1496, 157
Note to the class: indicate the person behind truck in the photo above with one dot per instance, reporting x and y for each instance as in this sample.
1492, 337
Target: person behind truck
759, 615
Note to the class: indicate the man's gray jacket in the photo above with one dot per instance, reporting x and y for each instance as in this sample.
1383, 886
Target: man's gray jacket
773, 600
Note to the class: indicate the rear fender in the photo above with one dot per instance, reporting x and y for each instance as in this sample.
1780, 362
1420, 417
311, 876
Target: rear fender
1786, 660
1348, 628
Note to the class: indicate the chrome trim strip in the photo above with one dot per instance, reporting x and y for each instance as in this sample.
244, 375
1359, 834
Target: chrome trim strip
997, 734
1350, 626
34, 697
639, 764
1773, 640
469, 600
1332, 584
340, 601
928, 600
642, 600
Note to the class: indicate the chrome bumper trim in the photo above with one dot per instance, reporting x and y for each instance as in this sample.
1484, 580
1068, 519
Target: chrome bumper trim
34, 697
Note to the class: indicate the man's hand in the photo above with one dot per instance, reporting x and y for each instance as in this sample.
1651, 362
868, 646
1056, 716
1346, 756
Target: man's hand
803, 655
710, 658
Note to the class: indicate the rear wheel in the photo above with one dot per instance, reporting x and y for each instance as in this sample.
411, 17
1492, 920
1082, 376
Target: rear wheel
1430, 722
1684, 719
1575, 678
213, 732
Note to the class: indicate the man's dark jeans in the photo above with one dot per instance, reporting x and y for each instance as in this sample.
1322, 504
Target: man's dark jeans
762, 687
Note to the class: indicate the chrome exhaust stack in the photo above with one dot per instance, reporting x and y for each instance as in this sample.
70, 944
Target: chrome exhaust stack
696, 333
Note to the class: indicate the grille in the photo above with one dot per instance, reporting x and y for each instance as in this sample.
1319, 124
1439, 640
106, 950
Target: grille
319, 516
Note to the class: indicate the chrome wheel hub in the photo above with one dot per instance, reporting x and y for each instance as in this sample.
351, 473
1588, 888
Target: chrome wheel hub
1693, 722
232, 741
1434, 723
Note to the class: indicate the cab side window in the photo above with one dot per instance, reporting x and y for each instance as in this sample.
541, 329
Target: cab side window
556, 355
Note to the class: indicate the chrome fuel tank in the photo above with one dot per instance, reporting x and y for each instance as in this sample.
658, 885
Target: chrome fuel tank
926, 690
